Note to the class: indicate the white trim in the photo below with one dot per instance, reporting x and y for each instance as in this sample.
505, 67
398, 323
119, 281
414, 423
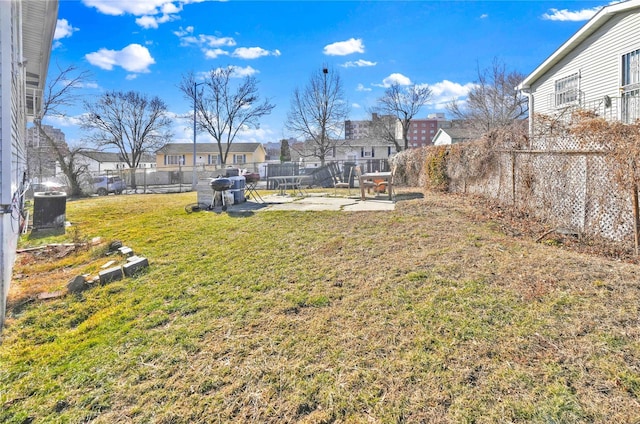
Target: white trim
583, 33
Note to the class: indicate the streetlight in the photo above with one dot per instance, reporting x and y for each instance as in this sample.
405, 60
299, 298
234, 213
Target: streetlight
195, 97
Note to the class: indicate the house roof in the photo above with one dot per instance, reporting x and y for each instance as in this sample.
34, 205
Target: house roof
182, 148
38, 26
583, 33
366, 142
104, 157
459, 134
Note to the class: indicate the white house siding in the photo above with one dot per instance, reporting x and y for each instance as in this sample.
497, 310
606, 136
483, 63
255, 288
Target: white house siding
442, 138
597, 59
26, 32
12, 133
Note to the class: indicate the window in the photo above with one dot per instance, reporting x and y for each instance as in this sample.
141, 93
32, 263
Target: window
631, 86
239, 159
567, 90
174, 160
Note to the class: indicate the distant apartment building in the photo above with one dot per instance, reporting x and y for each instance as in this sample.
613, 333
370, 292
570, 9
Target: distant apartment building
422, 131
354, 130
41, 155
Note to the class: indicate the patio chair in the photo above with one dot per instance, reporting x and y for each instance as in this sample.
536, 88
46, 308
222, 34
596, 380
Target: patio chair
368, 184
340, 183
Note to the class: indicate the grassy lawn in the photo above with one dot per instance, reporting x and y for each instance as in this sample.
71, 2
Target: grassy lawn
418, 315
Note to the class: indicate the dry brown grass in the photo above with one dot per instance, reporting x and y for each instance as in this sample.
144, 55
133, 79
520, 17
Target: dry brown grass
429, 314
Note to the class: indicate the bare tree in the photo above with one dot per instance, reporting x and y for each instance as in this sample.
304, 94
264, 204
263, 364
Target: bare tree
223, 111
61, 91
493, 102
129, 121
404, 103
317, 114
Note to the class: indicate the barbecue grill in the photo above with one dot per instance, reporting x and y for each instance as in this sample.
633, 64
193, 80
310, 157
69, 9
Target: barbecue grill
221, 185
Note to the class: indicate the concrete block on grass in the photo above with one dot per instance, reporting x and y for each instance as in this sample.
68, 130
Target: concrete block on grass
133, 266
77, 284
111, 274
126, 251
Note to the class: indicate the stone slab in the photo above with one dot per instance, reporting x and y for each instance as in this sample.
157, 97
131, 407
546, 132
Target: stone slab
111, 274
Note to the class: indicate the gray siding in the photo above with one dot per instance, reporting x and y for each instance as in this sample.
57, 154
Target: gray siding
597, 59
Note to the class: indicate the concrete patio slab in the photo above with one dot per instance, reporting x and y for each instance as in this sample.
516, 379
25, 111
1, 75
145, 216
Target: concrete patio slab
314, 202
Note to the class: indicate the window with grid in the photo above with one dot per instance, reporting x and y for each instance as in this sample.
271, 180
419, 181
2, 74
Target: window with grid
566, 90
175, 160
631, 86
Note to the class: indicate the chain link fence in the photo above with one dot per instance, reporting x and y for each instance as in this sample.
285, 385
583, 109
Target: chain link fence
554, 181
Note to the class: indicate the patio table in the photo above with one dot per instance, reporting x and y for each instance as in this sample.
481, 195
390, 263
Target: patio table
385, 176
293, 182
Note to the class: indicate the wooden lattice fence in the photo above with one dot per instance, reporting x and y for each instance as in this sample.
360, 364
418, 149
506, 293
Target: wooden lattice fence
568, 188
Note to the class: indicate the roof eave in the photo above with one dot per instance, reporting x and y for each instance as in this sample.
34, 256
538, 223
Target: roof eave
587, 29
39, 24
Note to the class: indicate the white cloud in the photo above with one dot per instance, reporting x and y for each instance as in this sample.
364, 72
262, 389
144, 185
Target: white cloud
253, 52
358, 63
133, 58
239, 72
136, 8
214, 53
63, 29
184, 31
484, 16
343, 48
61, 121
356, 106
445, 91
187, 38
451, 89
569, 15
84, 84
361, 87
212, 45
147, 21
131, 77
394, 78
209, 44
213, 41
151, 12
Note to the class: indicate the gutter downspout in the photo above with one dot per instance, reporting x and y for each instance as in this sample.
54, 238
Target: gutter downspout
527, 92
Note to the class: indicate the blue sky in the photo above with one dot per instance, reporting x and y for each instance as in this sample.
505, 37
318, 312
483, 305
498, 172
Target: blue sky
147, 45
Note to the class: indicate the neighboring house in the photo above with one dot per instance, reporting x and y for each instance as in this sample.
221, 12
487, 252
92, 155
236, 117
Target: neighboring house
358, 150
446, 136
174, 155
105, 162
364, 149
598, 68
26, 34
